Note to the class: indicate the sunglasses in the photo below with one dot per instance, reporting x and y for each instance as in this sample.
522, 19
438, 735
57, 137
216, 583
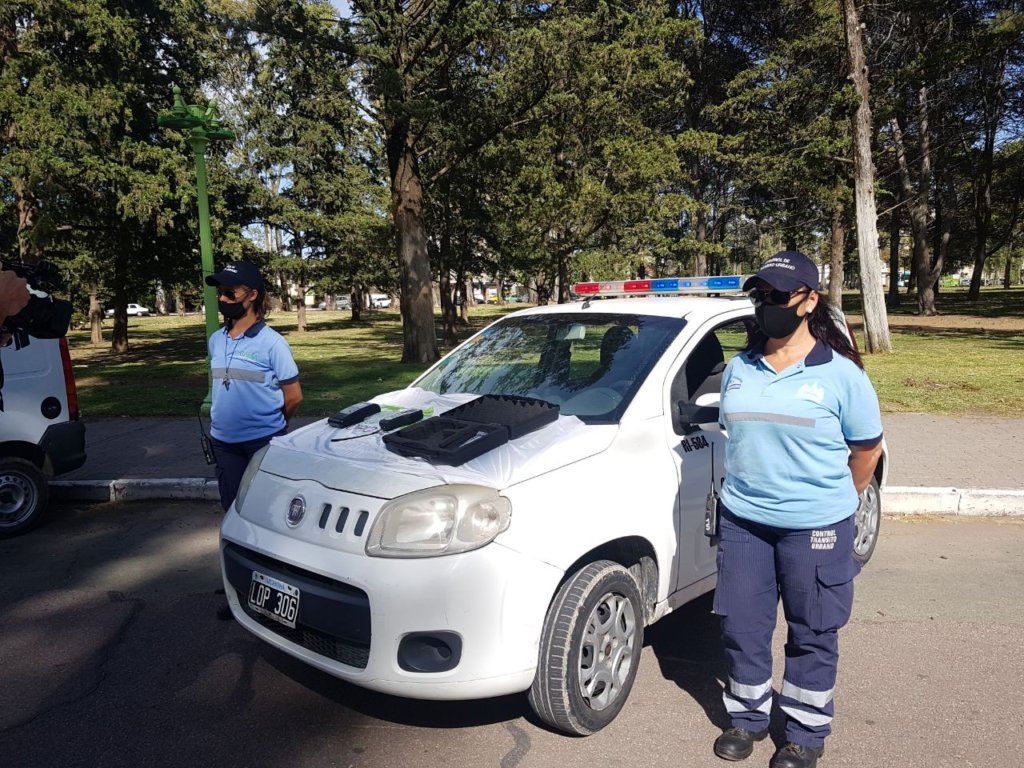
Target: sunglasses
229, 293
772, 296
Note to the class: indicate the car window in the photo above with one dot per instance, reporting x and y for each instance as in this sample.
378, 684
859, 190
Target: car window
702, 370
589, 364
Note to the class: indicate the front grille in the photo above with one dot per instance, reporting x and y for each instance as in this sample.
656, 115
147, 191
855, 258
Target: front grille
313, 640
341, 517
334, 617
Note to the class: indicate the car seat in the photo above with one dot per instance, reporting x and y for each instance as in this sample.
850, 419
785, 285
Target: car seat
704, 367
614, 339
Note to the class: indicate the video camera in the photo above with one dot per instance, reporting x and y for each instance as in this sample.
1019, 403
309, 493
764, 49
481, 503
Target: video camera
44, 316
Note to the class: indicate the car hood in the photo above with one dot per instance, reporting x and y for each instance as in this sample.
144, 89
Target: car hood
356, 459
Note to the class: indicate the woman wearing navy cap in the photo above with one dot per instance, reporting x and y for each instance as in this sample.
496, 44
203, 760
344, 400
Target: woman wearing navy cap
256, 387
805, 436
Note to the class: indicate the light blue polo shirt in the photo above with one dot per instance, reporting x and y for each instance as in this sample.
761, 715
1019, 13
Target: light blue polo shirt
786, 456
247, 376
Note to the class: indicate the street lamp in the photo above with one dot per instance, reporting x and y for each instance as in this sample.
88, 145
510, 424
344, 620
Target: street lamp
203, 124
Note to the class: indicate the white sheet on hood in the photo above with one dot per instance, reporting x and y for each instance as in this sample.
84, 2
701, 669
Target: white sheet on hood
563, 441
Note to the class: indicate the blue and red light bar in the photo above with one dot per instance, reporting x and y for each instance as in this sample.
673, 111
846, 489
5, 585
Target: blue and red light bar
663, 286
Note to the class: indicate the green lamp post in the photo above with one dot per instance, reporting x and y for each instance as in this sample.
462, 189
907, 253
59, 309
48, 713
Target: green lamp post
203, 124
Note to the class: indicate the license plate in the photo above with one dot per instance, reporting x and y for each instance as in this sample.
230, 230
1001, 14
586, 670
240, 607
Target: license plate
274, 598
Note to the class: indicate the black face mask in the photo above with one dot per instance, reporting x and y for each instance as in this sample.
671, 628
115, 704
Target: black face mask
777, 322
231, 311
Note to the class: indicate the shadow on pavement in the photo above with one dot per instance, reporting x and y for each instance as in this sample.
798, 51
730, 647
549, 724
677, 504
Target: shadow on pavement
688, 646
423, 714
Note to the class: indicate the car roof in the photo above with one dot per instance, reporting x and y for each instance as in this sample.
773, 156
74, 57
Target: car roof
693, 307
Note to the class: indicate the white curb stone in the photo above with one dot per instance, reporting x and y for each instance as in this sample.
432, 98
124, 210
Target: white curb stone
963, 502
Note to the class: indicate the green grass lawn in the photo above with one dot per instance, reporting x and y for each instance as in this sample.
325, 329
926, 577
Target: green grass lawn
946, 370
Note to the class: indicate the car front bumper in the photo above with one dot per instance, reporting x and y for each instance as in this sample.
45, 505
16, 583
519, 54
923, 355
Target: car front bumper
362, 618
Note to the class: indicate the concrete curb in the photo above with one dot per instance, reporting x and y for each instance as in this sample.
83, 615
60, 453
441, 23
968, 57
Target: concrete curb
896, 500
136, 489
962, 502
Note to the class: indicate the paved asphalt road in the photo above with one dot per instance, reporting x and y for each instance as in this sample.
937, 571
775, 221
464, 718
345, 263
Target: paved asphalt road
111, 655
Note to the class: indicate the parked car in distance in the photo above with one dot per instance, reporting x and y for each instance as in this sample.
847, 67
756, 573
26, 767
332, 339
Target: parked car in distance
134, 310
380, 300
343, 302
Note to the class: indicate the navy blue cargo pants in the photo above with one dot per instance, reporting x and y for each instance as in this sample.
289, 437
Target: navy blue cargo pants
812, 571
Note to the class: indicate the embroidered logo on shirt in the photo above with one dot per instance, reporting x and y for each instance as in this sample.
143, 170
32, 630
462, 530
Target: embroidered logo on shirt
823, 539
811, 392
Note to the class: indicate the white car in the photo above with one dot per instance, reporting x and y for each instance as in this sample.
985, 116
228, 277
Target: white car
548, 507
41, 434
380, 300
134, 310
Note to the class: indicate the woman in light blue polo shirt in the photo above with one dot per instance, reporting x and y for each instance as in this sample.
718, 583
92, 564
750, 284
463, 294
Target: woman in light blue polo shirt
256, 387
804, 439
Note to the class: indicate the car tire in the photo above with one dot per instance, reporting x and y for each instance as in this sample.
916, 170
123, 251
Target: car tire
867, 521
589, 650
24, 495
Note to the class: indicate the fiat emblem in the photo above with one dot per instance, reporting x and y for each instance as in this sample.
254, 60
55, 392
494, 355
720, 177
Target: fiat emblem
296, 511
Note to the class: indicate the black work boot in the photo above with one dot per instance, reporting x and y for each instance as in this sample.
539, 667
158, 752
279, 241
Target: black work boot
737, 743
796, 756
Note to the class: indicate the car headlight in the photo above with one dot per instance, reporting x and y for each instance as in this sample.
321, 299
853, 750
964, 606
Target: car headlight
439, 521
247, 477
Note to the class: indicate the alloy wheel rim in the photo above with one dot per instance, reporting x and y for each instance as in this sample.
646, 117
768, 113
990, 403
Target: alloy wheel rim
606, 654
866, 522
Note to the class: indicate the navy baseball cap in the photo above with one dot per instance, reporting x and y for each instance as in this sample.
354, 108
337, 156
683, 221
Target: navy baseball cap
787, 271
237, 273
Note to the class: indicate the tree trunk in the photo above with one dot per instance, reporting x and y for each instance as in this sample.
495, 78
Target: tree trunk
444, 275
700, 261
161, 300
993, 111
179, 302
463, 297
918, 212
418, 342
95, 319
26, 206
300, 302
356, 300
893, 298
876, 323
838, 245
563, 278
119, 337
1006, 269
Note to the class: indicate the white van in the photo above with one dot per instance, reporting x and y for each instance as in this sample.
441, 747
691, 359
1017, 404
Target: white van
41, 435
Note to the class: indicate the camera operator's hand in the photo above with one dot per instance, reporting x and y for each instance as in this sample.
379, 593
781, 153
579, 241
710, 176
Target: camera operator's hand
14, 294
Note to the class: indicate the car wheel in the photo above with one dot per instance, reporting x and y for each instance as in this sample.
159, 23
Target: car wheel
867, 521
589, 650
23, 496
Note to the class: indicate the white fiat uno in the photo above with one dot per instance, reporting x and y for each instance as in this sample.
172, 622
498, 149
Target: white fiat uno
514, 518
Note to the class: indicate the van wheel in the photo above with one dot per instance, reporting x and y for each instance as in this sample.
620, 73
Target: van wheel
867, 521
23, 496
589, 649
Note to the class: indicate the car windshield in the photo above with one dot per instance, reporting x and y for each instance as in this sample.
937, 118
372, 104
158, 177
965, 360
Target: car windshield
590, 365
